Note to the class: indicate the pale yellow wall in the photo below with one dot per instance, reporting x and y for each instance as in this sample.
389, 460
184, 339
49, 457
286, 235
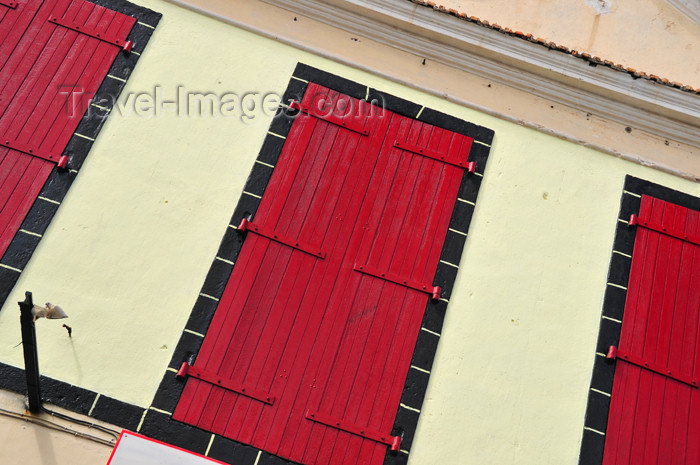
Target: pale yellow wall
128, 251
514, 363
648, 35
520, 106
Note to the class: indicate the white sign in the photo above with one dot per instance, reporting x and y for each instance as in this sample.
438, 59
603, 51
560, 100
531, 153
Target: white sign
134, 449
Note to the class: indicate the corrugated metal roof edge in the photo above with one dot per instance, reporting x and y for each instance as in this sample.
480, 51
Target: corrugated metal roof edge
591, 59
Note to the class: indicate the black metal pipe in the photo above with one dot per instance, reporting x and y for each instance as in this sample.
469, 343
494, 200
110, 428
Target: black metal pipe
31, 357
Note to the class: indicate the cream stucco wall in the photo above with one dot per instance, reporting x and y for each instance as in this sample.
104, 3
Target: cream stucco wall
494, 94
648, 35
129, 248
29, 439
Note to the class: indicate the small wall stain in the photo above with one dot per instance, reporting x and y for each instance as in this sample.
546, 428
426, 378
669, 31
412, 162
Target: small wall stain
601, 7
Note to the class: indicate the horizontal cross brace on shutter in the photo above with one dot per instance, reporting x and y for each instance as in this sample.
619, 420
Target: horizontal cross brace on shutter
434, 291
212, 378
344, 121
470, 166
124, 44
616, 354
29, 150
392, 441
282, 239
8, 4
673, 232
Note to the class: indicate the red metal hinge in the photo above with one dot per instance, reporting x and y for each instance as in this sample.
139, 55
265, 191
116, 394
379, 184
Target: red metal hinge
434, 291
254, 228
8, 4
124, 44
470, 166
673, 232
616, 354
392, 441
24, 148
344, 121
212, 378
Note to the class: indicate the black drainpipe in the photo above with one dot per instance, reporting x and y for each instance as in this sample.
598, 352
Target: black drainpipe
31, 358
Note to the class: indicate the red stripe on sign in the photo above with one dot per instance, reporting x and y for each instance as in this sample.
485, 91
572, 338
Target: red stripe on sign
314, 333
652, 415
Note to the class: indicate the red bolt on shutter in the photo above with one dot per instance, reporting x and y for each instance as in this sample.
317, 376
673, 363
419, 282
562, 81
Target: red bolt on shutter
315, 333
655, 407
37, 58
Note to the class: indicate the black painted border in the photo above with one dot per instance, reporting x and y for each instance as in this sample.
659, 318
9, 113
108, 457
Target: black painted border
595, 424
416, 384
42, 211
156, 420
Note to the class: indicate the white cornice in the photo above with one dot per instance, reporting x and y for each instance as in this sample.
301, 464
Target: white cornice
691, 8
652, 107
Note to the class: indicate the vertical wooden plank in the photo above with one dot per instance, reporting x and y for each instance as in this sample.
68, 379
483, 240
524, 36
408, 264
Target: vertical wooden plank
86, 65
14, 25
316, 333
18, 194
7, 162
687, 426
18, 66
35, 96
665, 404
93, 72
369, 306
380, 180
307, 367
653, 388
624, 395
196, 393
651, 415
42, 57
317, 224
430, 207
637, 394
292, 216
438, 222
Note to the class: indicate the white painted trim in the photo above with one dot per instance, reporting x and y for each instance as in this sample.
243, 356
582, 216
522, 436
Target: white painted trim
533, 68
690, 8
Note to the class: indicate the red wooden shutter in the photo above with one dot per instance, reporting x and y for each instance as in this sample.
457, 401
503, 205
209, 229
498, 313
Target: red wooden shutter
48, 49
655, 405
308, 352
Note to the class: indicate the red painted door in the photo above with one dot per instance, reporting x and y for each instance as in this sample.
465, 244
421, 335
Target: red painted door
41, 63
655, 405
316, 323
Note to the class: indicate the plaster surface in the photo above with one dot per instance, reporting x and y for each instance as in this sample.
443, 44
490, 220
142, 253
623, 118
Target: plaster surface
128, 251
620, 138
25, 442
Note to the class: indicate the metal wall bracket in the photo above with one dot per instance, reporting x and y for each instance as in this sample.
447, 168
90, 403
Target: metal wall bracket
282, 239
470, 166
678, 234
616, 354
434, 291
392, 441
124, 44
212, 378
343, 121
